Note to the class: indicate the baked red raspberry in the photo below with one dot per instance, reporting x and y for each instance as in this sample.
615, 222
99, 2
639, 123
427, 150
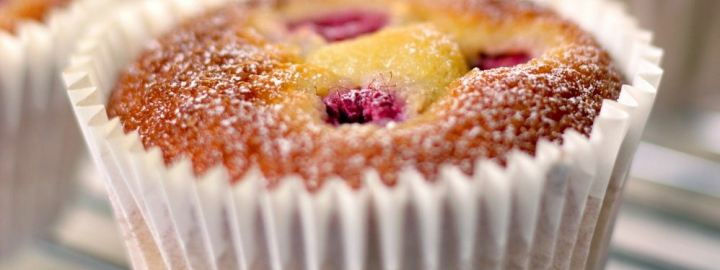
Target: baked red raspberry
343, 25
362, 105
485, 61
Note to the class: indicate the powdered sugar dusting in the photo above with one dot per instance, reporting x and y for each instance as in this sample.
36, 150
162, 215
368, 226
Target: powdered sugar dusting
218, 93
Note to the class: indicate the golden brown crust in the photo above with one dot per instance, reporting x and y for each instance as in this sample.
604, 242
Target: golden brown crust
14, 11
216, 92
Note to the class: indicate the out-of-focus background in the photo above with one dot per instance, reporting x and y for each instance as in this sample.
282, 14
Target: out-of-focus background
671, 214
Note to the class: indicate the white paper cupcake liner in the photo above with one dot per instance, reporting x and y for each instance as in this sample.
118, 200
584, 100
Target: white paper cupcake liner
39, 142
546, 211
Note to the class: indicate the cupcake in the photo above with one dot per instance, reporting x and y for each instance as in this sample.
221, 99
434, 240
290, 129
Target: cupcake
14, 12
364, 134
38, 138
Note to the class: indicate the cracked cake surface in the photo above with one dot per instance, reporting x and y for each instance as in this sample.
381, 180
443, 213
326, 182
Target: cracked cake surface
449, 82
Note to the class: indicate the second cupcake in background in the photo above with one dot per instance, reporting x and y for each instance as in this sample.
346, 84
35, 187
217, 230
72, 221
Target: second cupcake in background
39, 141
362, 134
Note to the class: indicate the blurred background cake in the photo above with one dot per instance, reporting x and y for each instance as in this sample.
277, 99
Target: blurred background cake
14, 11
39, 143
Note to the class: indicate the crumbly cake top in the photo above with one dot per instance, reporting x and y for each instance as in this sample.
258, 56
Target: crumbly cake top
225, 88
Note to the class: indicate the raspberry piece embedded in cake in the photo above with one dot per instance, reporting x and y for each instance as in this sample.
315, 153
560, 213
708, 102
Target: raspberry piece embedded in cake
343, 25
419, 60
486, 61
364, 105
